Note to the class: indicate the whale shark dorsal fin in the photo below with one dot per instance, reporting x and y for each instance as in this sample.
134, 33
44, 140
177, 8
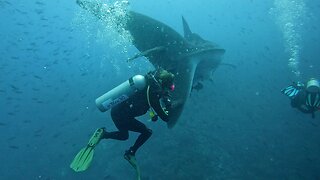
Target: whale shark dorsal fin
191, 37
186, 29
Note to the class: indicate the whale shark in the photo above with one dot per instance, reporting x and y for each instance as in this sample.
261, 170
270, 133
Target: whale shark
190, 57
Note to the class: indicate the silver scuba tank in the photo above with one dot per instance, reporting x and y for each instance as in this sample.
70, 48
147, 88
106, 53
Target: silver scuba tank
121, 93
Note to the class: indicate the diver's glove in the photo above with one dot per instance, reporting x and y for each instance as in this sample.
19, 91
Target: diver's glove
153, 116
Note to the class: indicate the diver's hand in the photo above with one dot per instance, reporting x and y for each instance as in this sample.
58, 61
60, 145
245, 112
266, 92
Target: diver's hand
165, 110
154, 118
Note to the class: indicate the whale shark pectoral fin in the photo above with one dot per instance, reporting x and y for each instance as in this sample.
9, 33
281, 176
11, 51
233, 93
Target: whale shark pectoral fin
147, 53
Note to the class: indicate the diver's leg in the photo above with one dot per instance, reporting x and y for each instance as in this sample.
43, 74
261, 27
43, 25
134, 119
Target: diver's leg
121, 123
118, 135
138, 126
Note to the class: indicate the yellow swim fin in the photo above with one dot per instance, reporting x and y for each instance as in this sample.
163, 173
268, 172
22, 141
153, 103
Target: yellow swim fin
132, 160
83, 159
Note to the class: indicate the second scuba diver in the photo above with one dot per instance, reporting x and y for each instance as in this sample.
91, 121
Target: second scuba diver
305, 98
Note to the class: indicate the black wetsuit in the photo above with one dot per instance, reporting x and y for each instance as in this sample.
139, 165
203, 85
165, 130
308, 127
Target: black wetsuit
123, 114
299, 102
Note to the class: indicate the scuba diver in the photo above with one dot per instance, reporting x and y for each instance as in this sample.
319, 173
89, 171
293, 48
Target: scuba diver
304, 98
127, 101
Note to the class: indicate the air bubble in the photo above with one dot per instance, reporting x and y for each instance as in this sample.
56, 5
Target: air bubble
289, 15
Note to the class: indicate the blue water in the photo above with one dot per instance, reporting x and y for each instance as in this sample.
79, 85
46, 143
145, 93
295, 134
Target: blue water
55, 60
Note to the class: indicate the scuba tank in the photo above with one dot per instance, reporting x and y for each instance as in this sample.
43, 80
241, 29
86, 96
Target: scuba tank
121, 93
313, 93
313, 85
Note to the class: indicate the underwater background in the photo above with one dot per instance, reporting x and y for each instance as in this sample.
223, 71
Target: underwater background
56, 59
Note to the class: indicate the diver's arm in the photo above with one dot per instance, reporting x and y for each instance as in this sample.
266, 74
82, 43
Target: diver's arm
296, 103
299, 102
155, 103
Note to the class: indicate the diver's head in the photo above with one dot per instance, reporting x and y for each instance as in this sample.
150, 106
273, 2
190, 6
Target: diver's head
166, 79
313, 86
